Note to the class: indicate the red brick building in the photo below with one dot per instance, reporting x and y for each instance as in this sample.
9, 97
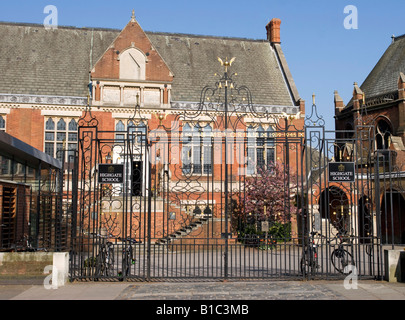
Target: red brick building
45, 75
379, 103
48, 76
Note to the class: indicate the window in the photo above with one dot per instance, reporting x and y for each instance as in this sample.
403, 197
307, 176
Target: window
2, 124
60, 132
260, 148
120, 127
383, 133
197, 149
136, 131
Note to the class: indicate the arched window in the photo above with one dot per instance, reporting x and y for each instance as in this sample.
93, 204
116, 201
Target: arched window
72, 125
132, 65
61, 133
58, 137
137, 132
50, 125
50, 137
120, 127
197, 154
197, 149
141, 128
260, 148
2, 124
207, 149
61, 125
383, 133
270, 146
131, 126
186, 149
250, 150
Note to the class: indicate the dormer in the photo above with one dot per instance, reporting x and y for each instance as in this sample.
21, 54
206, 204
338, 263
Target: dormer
131, 71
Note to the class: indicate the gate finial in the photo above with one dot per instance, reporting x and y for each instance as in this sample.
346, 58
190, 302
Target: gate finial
226, 63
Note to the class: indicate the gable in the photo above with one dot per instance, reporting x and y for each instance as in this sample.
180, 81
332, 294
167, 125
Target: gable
132, 56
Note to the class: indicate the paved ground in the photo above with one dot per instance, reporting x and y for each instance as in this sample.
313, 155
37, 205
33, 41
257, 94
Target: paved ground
246, 290
201, 300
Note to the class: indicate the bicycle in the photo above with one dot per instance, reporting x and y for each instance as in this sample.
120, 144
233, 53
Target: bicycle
309, 259
104, 259
127, 257
340, 257
25, 244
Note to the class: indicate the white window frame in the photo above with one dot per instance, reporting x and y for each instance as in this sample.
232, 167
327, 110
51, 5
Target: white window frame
197, 149
256, 147
131, 127
54, 137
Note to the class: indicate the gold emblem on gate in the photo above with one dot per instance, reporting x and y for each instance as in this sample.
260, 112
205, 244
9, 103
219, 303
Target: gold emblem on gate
341, 168
111, 169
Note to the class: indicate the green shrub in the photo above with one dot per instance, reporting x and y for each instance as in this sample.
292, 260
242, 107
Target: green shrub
281, 231
277, 231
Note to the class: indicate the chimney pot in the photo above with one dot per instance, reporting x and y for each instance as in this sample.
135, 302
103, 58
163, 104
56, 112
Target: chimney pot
273, 31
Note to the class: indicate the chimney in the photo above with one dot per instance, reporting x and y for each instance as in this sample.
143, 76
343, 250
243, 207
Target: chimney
273, 31
401, 85
358, 97
339, 105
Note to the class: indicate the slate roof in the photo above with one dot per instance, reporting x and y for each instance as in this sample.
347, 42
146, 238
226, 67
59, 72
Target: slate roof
37, 61
384, 76
193, 60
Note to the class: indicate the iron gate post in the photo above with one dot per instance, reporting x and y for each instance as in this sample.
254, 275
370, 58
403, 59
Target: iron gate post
59, 200
149, 236
226, 178
73, 231
378, 213
390, 170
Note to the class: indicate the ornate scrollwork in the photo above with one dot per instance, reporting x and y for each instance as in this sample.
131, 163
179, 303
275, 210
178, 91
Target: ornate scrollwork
314, 120
88, 119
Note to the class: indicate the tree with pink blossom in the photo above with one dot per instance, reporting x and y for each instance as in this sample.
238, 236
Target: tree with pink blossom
267, 197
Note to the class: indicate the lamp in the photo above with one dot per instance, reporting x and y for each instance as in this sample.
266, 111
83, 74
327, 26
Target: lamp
108, 158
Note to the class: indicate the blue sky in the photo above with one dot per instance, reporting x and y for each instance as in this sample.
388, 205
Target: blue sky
322, 54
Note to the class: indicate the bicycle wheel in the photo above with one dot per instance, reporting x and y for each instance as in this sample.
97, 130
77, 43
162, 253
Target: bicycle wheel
125, 262
109, 262
308, 263
341, 258
99, 271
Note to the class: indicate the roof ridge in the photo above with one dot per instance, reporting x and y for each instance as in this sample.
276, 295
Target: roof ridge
29, 24
204, 36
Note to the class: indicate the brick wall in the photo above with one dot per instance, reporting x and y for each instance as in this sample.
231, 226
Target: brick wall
27, 125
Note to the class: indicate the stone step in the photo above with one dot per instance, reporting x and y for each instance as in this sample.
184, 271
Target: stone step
184, 231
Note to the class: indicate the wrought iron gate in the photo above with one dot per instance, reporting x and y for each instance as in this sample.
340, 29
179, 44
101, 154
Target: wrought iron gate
225, 190
342, 189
